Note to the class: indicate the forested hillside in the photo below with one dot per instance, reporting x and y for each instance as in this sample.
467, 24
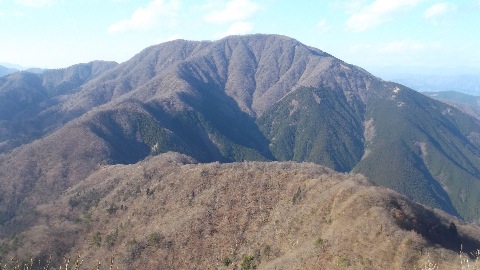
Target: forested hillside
241, 98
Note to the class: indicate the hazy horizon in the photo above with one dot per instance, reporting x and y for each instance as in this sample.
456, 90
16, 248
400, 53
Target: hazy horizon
377, 35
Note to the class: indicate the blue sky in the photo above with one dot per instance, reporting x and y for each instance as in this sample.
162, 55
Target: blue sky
373, 34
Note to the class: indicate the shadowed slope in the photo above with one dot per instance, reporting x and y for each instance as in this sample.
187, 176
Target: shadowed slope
30, 104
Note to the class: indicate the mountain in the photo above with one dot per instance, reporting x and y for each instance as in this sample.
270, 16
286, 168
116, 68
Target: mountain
167, 212
35, 70
255, 98
464, 102
457, 97
30, 103
5, 71
12, 66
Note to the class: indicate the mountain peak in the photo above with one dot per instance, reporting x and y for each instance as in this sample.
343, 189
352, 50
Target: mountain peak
254, 97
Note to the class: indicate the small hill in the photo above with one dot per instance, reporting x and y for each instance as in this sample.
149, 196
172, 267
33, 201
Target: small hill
30, 103
5, 71
168, 212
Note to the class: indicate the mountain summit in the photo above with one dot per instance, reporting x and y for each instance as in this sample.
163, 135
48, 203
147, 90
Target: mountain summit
257, 97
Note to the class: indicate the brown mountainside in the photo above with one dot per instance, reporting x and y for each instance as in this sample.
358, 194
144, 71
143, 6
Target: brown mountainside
31, 104
169, 213
243, 76
67, 135
256, 71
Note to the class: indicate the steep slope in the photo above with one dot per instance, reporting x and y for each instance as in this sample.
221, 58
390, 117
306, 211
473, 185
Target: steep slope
315, 125
259, 97
424, 149
240, 215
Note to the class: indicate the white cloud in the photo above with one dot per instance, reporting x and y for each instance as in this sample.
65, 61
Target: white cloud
158, 11
238, 28
378, 12
350, 6
234, 10
322, 26
401, 52
34, 3
393, 47
437, 10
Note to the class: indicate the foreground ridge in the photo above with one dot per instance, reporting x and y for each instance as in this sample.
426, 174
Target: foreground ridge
267, 215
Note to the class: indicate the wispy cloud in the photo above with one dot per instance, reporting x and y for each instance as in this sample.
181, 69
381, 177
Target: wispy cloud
409, 52
238, 28
34, 3
404, 45
378, 12
438, 10
349, 6
322, 26
393, 47
234, 10
155, 13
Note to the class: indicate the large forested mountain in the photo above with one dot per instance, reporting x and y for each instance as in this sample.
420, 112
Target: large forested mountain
259, 97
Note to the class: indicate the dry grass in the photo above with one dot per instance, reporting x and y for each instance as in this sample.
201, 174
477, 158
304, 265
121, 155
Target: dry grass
67, 264
464, 262
165, 213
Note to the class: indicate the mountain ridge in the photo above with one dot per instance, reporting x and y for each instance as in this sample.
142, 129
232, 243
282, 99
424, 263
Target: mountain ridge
275, 214
467, 103
257, 97
30, 102
6, 70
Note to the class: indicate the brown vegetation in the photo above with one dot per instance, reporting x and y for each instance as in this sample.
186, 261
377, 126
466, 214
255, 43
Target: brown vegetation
168, 213
224, 101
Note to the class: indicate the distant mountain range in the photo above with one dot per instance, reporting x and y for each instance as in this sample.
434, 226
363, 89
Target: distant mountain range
464, 83
242, 98
12, 66
467, 103
5, 71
